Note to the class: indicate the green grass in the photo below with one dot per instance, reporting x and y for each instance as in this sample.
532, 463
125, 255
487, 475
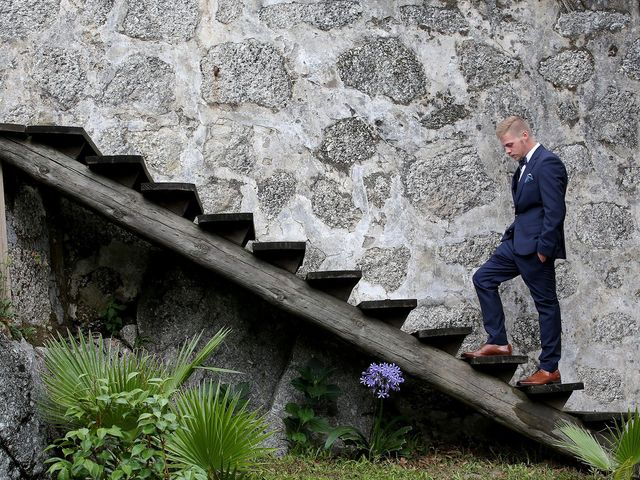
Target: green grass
454, 465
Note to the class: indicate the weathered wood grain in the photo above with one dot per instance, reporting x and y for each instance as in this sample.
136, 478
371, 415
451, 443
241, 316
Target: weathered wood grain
5, 281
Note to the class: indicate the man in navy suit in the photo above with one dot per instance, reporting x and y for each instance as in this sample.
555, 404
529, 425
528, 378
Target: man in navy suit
529, 248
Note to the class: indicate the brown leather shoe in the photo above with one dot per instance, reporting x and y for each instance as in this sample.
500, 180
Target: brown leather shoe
489, 350
541, 377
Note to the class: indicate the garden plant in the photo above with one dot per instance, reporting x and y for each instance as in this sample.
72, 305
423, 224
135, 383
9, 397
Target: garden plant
305, 425
387, 436
617, 455
127, 415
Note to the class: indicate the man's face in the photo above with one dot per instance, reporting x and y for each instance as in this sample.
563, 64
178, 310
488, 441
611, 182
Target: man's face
515, 144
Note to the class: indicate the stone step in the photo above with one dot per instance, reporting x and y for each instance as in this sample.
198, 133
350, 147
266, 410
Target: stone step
448, 339
13, 130
338, 283
287, 255
181, 198
554, 394
71, 141
127, 170
393, 312
235, 227
501, 366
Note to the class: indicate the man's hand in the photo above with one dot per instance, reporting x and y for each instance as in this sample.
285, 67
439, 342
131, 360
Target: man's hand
543, 258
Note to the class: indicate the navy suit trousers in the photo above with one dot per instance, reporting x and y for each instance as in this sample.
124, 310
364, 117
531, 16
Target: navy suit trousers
540, 277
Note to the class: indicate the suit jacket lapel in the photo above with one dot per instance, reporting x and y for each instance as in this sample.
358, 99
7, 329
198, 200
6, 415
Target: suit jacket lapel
530, 164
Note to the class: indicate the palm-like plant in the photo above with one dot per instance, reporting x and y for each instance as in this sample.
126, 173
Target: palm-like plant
220, 437
619, 456
92, 388
81, 370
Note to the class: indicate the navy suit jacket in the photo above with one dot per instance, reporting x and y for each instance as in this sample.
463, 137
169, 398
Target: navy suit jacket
538, 199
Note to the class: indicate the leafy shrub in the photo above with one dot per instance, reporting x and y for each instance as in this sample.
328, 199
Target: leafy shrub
620, 454
129, 419
218, 434
100, 452
111, 319
78, 369
305, 424
308, 432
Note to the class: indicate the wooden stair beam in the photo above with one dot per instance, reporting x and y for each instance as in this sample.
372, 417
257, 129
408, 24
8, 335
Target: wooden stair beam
181, 198
71, 141
235, 227
554, 394
393, 312
286, 255
501, 366
125, 207
13, 130
5, 277
337, 283
448, 339
127, 170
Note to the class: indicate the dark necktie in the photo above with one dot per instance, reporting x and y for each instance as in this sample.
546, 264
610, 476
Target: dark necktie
522, 163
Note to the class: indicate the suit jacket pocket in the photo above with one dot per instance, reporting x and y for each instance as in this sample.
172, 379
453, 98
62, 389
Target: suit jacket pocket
530, 229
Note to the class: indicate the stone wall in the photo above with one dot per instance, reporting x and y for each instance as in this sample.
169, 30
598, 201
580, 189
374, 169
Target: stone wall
366, 128
23, 436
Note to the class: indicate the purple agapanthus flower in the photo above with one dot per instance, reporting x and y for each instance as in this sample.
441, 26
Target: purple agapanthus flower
382, 378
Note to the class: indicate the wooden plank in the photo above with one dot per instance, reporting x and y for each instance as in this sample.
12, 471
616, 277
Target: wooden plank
129, 209
129, 170
500, 366
181, 198
429, 333
553, 394
601, 420
337, 283
448, 339
72, 141
235, 227
497, 360
392, 311
13, 130
588, 416
551, 388
286, 255
5, 283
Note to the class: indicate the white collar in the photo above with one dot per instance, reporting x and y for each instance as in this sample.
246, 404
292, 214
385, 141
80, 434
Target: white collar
531, 152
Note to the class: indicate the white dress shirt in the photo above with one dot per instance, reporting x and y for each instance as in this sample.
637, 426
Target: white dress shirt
529, 155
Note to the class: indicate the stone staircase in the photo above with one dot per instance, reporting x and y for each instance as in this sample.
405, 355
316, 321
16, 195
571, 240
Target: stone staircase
220, 243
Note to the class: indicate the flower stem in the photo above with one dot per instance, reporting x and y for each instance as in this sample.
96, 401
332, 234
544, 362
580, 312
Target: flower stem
374, 438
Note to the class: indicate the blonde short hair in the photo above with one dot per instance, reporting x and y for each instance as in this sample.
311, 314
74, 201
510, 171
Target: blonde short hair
512, 123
